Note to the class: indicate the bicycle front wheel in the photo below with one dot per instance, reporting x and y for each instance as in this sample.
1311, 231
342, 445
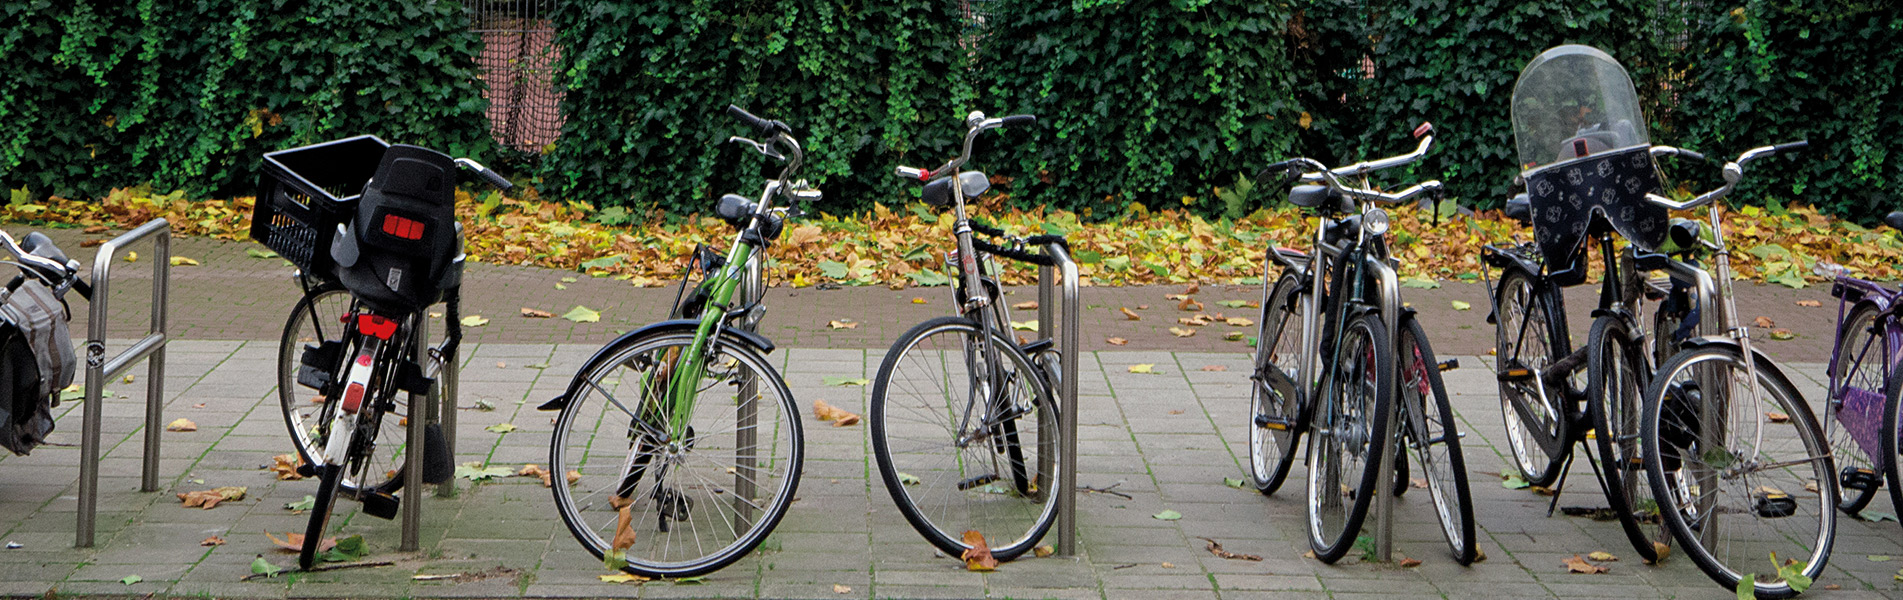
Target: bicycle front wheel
303, 407
1615, 377
1851, 420
1346, 437
963, 444
675, 491
1530, 333
1739, 469
1275, 425
1433, 436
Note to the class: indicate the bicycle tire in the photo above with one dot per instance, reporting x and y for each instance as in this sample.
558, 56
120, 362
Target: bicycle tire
611, 422
330, 479
303, 417
913, 428
1892, 420
1347, 430
1691, 469
1863, 360
1435, 440
1615, 378
1275, 426
1520, 299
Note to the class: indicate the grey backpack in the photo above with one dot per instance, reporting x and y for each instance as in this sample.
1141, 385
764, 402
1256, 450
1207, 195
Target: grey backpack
36, 362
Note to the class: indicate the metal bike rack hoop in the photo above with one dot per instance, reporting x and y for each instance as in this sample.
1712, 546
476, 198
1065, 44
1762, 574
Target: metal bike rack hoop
1067, 389
99, 369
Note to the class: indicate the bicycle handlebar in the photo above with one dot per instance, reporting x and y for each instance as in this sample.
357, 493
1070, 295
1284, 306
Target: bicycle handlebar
46, 267
1308, 170
977, 123
1733, 173
487, 175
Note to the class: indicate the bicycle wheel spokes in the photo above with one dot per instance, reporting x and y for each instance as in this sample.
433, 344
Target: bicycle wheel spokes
303, 407
1745, 473
1853, 414
1434, 440
695, 497
1346, 440
1615, 380
1524, 341
1273, 428
960, 449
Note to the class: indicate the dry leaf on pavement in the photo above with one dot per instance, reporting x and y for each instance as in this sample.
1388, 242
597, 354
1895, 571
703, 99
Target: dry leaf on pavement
1189, 304
1193, 288
842, 324
295, 542
1409, 563
839, 416
1579, 565
1116, 341
1130, 314
1181, 332
212, 541
285, 465
534, 470
1809, 303
210, 498
537, 314
1764, 322
1603, 556
978, 556
842, 589
1216, 549
1215, 367
182, 425
1025, 305
1777, 417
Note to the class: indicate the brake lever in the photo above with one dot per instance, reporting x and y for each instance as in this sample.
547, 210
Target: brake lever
761, 147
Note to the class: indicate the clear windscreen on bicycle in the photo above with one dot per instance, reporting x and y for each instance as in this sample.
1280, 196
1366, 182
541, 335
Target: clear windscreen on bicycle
1584, 151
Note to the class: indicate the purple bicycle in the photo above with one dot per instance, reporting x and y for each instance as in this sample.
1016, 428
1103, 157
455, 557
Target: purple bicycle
1864, 403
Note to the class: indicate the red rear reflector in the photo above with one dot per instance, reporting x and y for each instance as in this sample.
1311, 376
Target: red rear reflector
409, 229
376, 326
353, 398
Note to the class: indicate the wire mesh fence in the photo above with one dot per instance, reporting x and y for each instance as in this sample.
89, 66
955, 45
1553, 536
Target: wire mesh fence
517, 60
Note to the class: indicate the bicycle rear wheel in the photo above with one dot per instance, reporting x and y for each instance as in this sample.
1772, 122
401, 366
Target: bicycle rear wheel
1346, 438
1615, 378
1530, 333
1739, 477
675, 501
1433, 436
1275, 425
304, 407
1892, 422
1851, 420
963, 445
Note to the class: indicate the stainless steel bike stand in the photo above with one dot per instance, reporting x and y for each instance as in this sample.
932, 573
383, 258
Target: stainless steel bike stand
99, 369
425, 409
1067, 389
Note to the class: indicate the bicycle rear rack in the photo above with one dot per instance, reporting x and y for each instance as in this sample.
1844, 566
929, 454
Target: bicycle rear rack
100, 369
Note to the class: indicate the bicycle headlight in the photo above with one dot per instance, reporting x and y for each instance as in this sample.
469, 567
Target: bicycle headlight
1375, 221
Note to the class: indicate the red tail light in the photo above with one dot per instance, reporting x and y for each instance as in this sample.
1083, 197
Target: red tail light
376, 326
409, 229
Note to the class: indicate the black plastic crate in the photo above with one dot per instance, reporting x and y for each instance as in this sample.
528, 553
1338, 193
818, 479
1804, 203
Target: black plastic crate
306, 192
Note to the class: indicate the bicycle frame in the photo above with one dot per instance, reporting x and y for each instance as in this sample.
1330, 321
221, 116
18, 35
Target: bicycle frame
1861, 412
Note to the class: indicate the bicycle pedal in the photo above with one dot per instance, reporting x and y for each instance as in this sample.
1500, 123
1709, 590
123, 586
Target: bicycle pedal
1448, 365
436, 460
1275, 423
379, 504
1773, 504
1855, 478
978, 481
1516, 375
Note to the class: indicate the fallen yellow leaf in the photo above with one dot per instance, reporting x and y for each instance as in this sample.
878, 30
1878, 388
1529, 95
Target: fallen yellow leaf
181, 424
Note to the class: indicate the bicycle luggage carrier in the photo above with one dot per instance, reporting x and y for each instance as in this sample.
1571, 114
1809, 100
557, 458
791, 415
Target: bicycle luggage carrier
306, 192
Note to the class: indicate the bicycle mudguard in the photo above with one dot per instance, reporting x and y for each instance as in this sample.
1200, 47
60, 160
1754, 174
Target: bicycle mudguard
757, 341
1764, 361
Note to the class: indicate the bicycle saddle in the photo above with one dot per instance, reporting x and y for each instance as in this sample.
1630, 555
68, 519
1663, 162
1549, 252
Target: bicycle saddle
1519, 208
938, 191
1316, 196
1894, 219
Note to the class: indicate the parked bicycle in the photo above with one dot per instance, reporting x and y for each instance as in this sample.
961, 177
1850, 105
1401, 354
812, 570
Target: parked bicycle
1857, 413
1738, 464
36, 350
683, 443
1586, 174
964, 419
373, 261
1325, 364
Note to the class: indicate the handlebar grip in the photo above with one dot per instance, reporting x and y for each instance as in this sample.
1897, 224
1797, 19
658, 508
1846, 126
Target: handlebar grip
1691, 155
1424, 129
1792, 146
85, 289
496, 179
914, 174
1020, 120
765, 127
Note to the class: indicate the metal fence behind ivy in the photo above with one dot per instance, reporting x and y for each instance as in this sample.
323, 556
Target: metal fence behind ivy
518, 55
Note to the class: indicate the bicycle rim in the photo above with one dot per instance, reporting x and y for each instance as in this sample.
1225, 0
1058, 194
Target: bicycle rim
1433, 437
1744, 477
1345, 440
1615, 373
951, 470
1524, 337
675, 505
1852, 418
1274, 427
